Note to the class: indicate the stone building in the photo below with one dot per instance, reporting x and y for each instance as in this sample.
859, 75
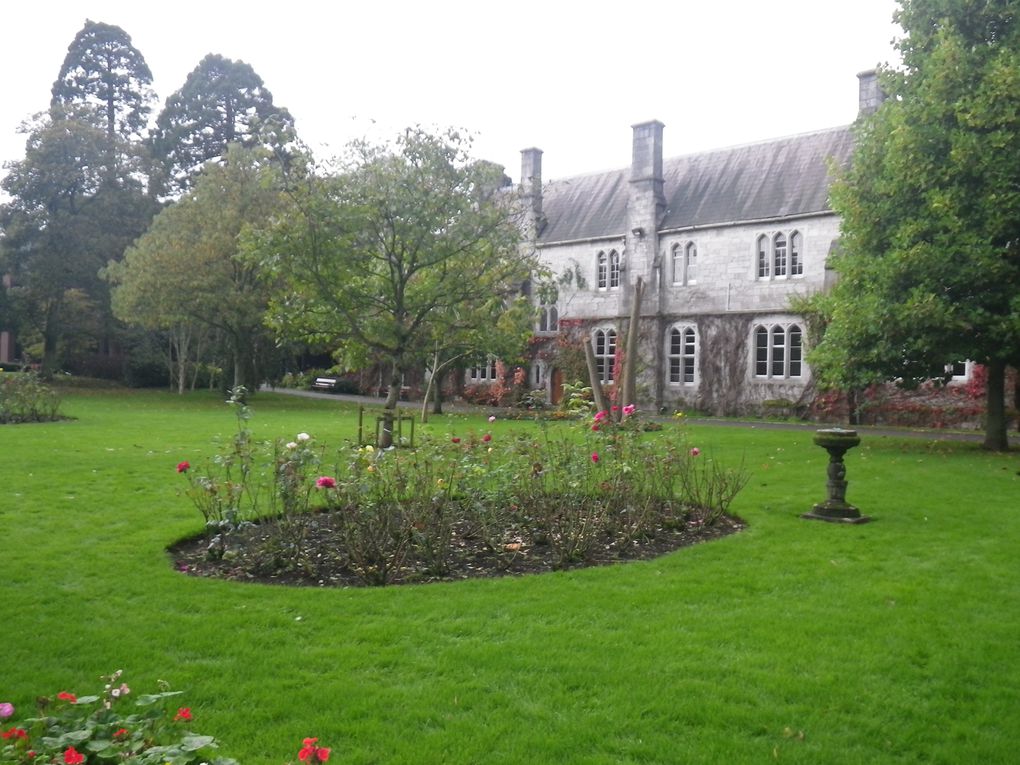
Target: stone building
722, 240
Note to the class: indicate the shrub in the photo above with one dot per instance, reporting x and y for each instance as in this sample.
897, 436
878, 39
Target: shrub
25, 398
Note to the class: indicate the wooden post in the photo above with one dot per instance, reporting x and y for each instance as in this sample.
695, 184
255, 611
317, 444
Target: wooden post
629, 372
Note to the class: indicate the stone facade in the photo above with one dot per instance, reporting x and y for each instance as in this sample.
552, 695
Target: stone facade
722, 241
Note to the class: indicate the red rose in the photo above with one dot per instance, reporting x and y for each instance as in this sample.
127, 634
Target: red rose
455, 440
65, 696
183, 467
183, 713
73, 757
486, 438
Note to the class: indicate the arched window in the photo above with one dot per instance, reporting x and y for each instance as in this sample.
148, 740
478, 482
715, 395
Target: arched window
678, 264
548, 319
605, 354
778, 351
691, 264
683, 348
603, 271
796, 351
614, 269
779, 255
761, 352
796, 263
763, 257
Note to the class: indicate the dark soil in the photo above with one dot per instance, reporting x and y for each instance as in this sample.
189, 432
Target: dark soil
254, 555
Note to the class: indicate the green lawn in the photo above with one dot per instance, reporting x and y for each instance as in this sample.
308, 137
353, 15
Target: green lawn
793, 641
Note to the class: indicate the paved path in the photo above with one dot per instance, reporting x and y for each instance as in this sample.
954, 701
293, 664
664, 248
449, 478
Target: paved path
461, 407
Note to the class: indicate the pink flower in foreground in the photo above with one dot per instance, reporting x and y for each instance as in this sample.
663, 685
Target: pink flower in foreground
615, 408
629, 409
695, 451
6, 710
325, 482
594, 456
599, 416
183, 467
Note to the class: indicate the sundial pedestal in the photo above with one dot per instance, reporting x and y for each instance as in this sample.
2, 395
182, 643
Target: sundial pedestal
835, 509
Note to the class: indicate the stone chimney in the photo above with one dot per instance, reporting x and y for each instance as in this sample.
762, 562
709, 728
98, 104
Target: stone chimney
531, 189
870, 93
645, 202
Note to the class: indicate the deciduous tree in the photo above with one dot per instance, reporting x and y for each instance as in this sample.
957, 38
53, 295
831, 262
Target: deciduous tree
404, 245
186, 270
930, 251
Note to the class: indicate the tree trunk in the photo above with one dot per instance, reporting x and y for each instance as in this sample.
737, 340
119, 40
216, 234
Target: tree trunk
629, 371
593, 377
437, 391
996, 436
390, 408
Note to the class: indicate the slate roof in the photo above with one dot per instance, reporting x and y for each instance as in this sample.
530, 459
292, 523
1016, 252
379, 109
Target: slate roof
771, 179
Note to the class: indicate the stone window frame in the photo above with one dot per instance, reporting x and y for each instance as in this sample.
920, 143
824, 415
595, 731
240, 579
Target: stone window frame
614, 270
603, 342
483, 373
602, 270
548, 313
680, 358
777, 350
685, 263
779, 255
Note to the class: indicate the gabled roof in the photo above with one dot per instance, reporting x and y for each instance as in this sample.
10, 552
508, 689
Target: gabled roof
772, 179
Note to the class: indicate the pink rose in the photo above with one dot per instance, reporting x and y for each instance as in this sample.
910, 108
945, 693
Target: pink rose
629, 409
325, 482
183, 467
6, 710
695, 451
594, 456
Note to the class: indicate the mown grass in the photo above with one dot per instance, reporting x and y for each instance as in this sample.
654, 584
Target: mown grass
793, 641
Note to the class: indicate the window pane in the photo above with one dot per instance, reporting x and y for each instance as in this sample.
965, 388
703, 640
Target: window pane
692, 263
780, 255
795, 351
674, 369
614, 269
675, 343
602, 270
796, 264
761, 352
763, 257
678, 266
689, 369
778, 352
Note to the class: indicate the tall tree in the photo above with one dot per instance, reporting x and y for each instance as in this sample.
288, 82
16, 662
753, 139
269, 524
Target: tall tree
72, 208
186, 271
405, 239
105, 82
221, 102
930, 261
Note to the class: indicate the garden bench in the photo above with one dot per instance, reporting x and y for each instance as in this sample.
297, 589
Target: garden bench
325, 383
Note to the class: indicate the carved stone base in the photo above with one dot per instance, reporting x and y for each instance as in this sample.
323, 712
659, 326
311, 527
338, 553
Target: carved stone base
836, 512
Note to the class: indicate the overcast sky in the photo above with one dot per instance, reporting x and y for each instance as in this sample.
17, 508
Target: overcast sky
568, 77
